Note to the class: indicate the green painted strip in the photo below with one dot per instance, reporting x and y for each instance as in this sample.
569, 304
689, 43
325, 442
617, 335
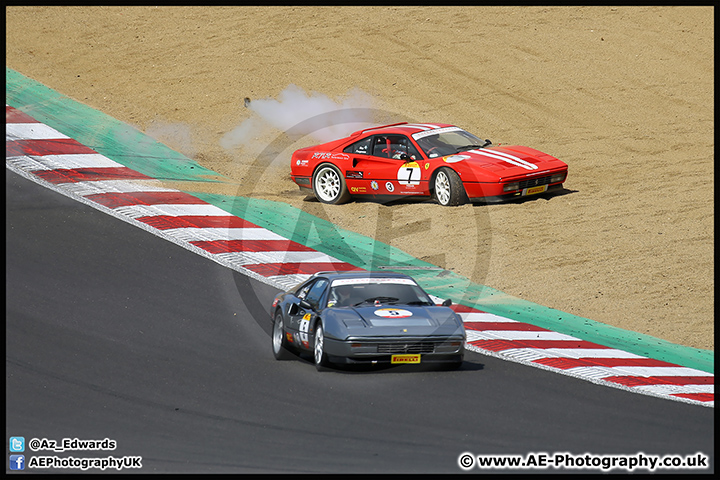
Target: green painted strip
370, 254
104, 134
135, 150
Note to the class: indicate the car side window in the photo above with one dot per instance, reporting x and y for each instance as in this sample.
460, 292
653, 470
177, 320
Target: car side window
361, 147
393, 146
302, 292
316, 292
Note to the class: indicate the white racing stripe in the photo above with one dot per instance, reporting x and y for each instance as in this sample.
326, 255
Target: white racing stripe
518, 162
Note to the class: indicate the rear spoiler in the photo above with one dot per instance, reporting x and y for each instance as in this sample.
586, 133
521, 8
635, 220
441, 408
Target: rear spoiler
355, 134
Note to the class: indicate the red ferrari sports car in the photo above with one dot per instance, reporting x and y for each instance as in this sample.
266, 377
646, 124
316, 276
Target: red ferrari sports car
424, 159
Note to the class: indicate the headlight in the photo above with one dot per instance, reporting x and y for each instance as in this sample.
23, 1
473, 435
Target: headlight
511, 186
558, 177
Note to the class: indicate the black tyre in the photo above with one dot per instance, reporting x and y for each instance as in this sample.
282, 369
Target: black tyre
329, 185
449, 190
319, 355
279, 342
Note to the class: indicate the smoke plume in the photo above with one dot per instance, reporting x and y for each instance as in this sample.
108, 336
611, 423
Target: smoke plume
299, 114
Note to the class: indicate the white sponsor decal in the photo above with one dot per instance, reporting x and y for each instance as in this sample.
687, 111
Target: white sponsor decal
393, 313
409, 174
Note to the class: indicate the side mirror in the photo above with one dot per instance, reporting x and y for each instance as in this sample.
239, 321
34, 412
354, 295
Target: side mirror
294, 307
405, 156
447, 303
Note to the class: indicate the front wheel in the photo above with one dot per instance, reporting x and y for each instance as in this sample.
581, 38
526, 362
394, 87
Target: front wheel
279, 342
319, 355
449, 190
329, 185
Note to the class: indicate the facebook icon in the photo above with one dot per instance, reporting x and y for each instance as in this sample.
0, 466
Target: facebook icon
17, 462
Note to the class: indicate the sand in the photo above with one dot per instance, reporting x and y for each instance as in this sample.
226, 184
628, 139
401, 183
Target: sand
623, 95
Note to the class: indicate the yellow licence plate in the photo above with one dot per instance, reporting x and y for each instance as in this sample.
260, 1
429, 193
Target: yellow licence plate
405, 359
530, 191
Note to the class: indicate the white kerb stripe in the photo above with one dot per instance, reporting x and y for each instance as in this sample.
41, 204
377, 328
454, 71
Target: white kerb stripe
573, 352
289, 281
136, 211
81, 160
116, 186
215, 234
675, 389
480, 317
31, 131
519, 335
602, 372
252, 258
589, 353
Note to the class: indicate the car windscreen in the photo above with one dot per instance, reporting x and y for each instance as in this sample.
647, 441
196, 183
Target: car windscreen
446, 141
357, 293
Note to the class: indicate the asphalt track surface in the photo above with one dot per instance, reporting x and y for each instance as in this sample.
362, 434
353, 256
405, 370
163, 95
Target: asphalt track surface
112, 332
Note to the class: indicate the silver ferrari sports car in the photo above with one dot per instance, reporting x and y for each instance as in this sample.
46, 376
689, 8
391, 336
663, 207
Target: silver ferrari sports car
365, 317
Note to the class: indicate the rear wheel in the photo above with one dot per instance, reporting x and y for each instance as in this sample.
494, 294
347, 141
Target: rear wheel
449, 190
329, 185
279, 342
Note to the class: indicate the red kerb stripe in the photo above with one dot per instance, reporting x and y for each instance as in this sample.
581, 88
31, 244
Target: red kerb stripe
510, 326
500, 345
700, 397
167, 222
270, 269
227, 246
464, 309
114, 200
74, 175
56, 146
632, 381
13, 115
566, 363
